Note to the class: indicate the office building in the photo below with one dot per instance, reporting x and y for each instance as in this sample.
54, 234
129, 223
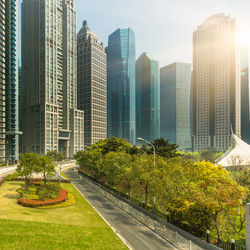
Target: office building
121, 84
92, 85
9, 119
50, 119
245, 118
147, 98
216, 83
175, 104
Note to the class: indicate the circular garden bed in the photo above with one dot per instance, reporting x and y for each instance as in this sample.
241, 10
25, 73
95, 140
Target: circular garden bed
41, 195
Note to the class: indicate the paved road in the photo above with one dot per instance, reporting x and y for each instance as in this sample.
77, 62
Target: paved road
136, 235
6, 170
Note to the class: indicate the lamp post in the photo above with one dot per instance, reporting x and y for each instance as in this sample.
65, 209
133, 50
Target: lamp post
141, 139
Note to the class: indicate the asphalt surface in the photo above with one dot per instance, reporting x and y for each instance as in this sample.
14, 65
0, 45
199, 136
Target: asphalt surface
6, 170
134, 233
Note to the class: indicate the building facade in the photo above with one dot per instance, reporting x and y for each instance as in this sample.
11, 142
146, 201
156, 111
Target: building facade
175, 104
9, 118
216, 83
245, 116
2, 80
92, 85
121, 84
147, 98
50, 119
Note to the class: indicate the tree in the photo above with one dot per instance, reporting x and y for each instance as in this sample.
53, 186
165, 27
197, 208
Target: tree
56, 156
198, 195
162, 148
28, 166
144, 173
118, 168
112, 144
46, 167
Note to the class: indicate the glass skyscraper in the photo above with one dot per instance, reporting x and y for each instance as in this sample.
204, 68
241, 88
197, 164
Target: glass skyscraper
9, 119
92, 85
147, 98
50, 119
245, 116
121, 84
175, 104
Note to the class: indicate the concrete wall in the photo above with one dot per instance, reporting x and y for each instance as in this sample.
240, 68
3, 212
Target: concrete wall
248, 226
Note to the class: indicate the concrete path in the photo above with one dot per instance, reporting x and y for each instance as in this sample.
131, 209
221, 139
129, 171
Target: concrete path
4, 171
134, 233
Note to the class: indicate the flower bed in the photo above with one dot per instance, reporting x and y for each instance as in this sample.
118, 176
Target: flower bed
62, 197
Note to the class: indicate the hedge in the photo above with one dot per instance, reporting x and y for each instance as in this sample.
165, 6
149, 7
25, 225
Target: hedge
62, 197
41, 179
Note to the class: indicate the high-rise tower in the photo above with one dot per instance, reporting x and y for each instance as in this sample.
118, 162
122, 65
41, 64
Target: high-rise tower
175, 104
147, 98
9, 119
216, 83
92, 85
121, 84
245, 114
50, 119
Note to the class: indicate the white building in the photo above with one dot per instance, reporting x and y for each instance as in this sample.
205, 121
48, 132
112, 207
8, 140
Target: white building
50, 119
216, 83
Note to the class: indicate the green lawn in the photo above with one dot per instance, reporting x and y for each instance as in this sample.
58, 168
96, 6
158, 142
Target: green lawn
74, 227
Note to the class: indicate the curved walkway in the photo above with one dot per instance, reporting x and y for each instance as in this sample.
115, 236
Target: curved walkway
134, 233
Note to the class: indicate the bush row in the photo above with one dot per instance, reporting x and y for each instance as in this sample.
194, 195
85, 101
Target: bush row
62, 197
41, 179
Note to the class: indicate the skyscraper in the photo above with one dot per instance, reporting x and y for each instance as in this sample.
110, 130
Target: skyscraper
147, 98
175, 104
121, 84
2, 80
92, 85
9, 119
245, 116
51, 120
216, 83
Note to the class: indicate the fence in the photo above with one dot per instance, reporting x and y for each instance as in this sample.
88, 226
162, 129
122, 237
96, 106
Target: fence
178, 237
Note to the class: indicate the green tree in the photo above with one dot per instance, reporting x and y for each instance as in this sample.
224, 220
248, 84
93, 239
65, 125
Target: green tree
29, 165
46, 167
145, 174
56, 156
162, 148
112, 144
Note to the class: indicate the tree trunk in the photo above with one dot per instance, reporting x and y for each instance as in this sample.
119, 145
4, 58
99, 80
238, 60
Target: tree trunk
44, 177
146, 195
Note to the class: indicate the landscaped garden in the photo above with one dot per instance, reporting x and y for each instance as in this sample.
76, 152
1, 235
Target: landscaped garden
73, 227
40, 214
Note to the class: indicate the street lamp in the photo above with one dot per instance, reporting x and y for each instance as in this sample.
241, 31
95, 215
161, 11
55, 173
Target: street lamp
141, 139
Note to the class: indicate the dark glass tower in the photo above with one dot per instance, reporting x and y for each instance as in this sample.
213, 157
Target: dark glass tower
147, 98
9, 119
175, 104
121, 84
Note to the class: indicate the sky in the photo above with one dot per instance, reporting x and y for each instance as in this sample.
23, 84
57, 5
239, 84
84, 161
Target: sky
163, 28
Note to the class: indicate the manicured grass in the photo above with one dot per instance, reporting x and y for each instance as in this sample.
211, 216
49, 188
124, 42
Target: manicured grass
74, 227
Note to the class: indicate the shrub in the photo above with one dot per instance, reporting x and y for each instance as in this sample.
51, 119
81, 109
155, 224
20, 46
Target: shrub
12, 176
48, 191
62, 197
70, 201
